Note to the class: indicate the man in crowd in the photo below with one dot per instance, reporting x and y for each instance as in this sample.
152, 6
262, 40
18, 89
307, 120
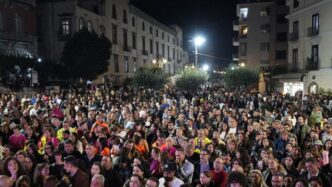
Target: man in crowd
169, 178
76, 177
184, 169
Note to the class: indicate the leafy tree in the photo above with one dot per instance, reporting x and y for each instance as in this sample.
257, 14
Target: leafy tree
86, 54
191, 79
150, 77
240, 77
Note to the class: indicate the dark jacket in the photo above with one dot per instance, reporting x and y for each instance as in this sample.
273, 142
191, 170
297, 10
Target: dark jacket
80, 179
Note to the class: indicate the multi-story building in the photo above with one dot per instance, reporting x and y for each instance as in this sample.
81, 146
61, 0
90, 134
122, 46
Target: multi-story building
18, 35
261, 37
137, 38
309, 47
261, 34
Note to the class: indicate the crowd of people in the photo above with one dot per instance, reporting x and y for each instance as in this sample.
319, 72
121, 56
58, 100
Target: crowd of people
134, 137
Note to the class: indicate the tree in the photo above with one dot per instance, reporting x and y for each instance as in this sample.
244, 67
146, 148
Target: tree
240, 77
191, 79
86, 54
150, 77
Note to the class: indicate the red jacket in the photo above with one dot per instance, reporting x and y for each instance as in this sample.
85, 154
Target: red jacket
219, 178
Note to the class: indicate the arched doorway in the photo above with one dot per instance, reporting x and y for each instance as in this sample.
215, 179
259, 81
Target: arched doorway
313, 88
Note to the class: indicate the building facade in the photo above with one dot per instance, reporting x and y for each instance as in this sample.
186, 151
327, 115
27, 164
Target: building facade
310, 44
18, 35
261, 34
137, 38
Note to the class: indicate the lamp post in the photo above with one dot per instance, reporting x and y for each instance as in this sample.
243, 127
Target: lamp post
159, 62
198, 41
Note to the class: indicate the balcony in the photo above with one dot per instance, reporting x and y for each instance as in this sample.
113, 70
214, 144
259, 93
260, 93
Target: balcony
243, 19
235, 57
235, 25
16, 36
243, 53
145, 52
312, 64
243, 36
127, 48
294, 36
235, 41
313, 31
293, 67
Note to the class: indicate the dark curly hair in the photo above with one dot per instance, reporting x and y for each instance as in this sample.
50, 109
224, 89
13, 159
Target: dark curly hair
6, 171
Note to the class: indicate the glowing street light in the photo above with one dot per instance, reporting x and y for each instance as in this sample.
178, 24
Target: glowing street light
198, 41
205, 67
242, 64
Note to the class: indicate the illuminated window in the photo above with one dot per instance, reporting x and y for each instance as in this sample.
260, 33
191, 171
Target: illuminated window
65, 27
243, 31
244, 13
126, 64
81, 23
90, 26
134, 64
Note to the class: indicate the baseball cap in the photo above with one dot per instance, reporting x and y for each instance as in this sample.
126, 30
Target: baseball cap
170, 166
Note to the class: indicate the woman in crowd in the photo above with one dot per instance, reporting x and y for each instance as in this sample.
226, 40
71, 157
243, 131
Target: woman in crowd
155, 164
77, 143
136, 181
23, 181
205, 180
96, 168
48, 136
29, 166
48, 155
138, 170
41, 172
256, 179
13, 168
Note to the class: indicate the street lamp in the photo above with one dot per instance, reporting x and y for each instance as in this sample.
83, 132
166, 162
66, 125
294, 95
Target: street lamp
159, 62
242, 64
205, 67
198, 40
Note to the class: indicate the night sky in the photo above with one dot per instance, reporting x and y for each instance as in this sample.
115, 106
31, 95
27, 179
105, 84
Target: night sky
210, 18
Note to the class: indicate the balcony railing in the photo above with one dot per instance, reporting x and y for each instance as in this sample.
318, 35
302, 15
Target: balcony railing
294, 36
235, 57
127, 48
244, 36
145, 52
235, 41
294, 68
235, 25
313, 31
312, 64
